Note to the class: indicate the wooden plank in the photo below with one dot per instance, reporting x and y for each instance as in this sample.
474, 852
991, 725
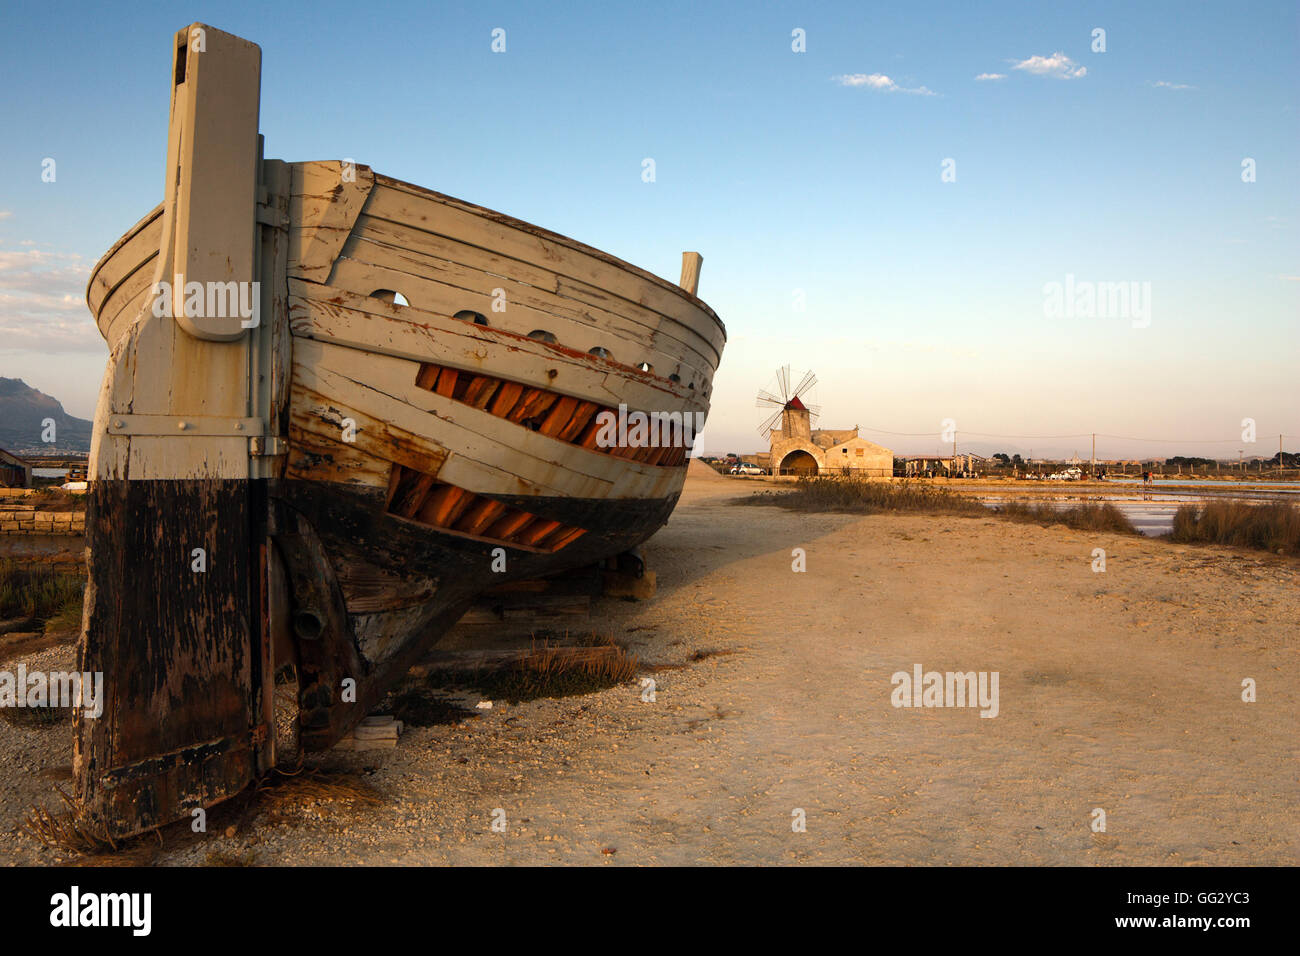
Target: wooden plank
410, 332
314, 459
361, 278
126, 301
469, 270
138, 245
323, 206
368, 589
320, 415
491, 455
403, 203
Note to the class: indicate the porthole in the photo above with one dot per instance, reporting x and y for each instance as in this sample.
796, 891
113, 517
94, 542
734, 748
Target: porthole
469, 315
543, 336
675, 378
600, 352
645, 367
389, 296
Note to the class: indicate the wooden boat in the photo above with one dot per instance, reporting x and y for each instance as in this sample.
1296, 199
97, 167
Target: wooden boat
402, 412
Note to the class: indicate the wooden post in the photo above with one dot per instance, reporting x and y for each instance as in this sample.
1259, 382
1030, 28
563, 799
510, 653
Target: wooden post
691, 262
176, 605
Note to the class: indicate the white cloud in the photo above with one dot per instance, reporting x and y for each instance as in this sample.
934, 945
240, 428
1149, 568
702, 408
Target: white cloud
43, 304
878, 81
991, 76
1058, 65
1172, 86
5, 214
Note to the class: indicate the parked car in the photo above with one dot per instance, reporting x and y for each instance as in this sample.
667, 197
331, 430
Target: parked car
746, 469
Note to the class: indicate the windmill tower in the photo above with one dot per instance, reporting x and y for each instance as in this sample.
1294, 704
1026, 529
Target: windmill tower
787, 405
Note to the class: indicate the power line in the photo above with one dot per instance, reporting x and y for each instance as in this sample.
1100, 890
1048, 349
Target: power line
973, 434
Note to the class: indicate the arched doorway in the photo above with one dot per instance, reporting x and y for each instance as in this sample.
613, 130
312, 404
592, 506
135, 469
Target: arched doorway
798, 463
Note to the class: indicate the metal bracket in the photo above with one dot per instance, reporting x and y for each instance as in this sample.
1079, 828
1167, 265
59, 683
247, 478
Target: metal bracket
268, 445
183, 425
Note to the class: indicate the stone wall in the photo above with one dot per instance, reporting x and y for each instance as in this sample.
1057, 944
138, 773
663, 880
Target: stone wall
42, 522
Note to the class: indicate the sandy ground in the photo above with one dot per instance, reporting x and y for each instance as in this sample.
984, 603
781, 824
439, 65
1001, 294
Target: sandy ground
1118, 690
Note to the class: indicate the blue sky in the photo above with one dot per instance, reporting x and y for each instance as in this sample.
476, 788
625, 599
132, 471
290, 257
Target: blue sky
817, 171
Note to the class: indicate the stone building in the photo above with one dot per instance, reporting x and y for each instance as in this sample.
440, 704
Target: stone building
799, 449
14, 472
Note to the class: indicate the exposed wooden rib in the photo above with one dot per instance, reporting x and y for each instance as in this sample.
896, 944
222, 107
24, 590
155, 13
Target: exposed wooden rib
507, 527
480, 516
505, 399
582, 415
537, 531
412, 495
557, 415
428, 377
457, 511
438, 509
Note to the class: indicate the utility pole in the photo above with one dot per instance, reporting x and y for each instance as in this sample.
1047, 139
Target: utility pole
1093, 464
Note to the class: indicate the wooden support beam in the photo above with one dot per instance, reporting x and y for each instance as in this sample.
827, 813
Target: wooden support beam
691, 262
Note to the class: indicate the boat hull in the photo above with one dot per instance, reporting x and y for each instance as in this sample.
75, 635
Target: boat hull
415, 400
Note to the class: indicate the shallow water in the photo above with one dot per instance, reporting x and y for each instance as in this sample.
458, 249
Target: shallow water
1152, 516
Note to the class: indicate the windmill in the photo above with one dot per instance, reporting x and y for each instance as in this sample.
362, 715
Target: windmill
787, 405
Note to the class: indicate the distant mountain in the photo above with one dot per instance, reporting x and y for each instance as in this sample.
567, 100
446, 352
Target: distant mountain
23, 410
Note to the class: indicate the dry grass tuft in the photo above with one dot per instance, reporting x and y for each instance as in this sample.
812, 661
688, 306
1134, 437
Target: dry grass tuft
1088, 516
863, 496
592, 663
70, 830
34, 590
283, 795
1274, 526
